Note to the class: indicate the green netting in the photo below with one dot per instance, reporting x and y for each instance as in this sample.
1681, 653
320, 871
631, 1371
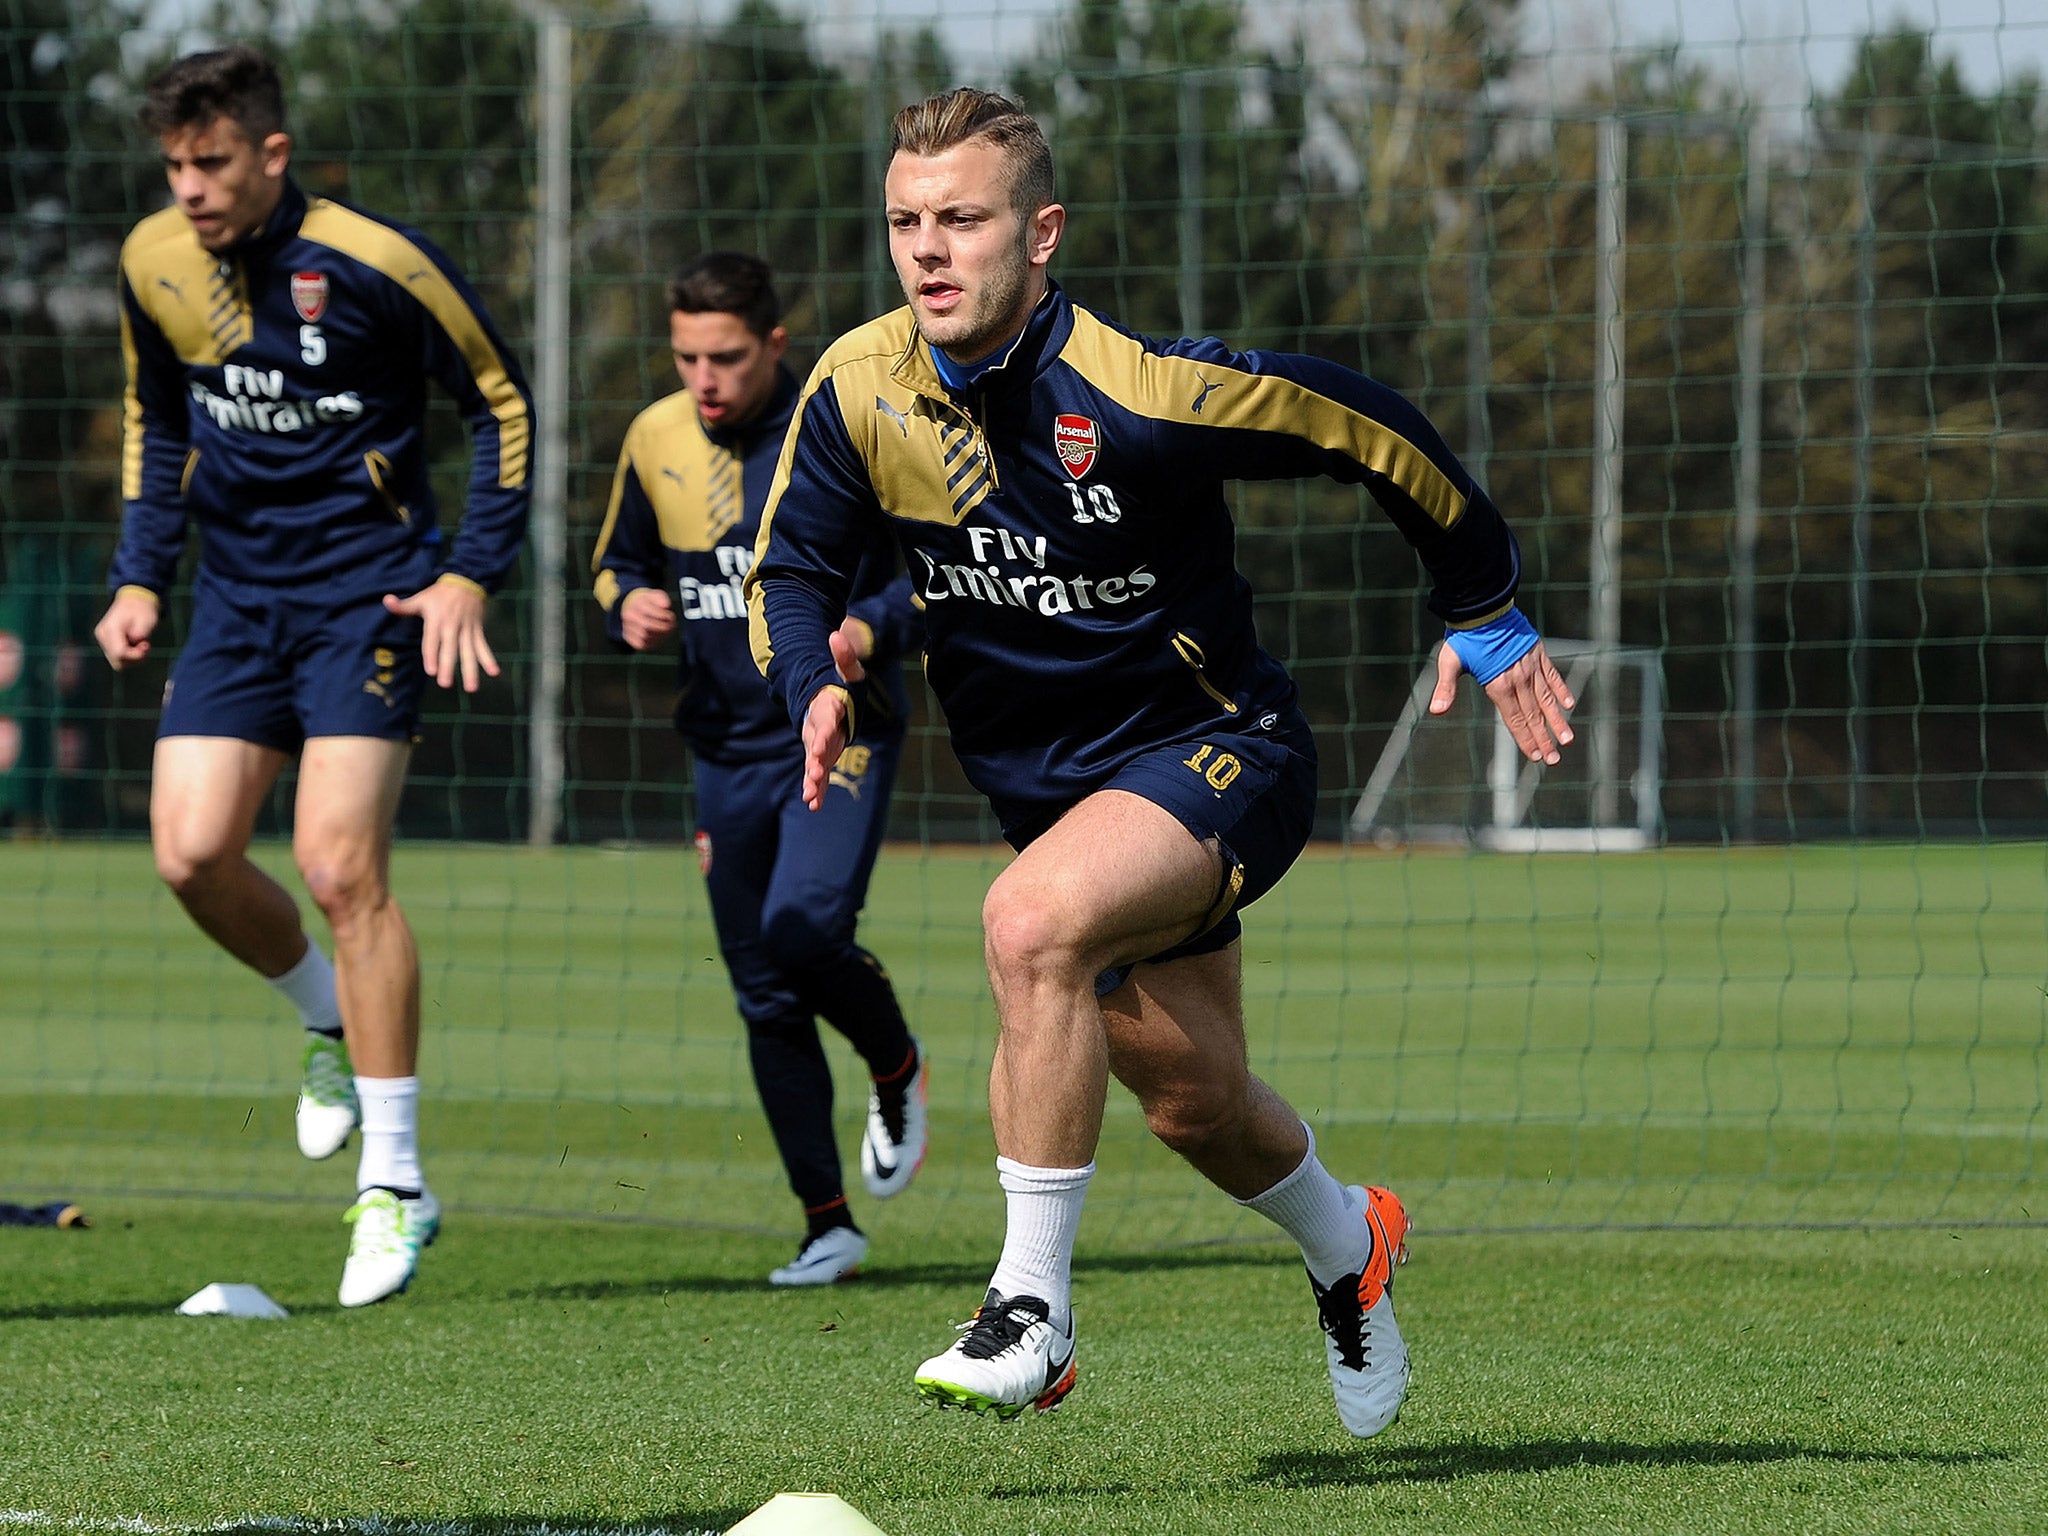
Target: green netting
1798, 387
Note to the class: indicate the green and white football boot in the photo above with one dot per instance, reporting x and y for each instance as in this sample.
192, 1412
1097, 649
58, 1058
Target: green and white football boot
385, 1250
328, 1110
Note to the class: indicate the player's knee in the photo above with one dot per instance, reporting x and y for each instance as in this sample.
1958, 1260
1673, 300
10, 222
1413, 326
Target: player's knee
775, 1024
799, 940
189, 868
1026, 938
344, 884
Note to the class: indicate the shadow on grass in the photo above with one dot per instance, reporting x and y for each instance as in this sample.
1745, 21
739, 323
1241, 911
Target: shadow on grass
1449, 1462
1038, 1493
974, 1274
62, 1311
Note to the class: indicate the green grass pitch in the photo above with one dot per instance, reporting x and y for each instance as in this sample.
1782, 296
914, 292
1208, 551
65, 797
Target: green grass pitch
1768, 1056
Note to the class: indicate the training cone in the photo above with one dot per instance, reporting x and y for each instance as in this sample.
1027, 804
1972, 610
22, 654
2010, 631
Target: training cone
805, 1514
220, 1300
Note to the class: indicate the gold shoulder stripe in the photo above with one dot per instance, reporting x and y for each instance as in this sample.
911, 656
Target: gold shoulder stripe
652, 427
389, 252
204, 314
1197, 393
692, 483
926, 461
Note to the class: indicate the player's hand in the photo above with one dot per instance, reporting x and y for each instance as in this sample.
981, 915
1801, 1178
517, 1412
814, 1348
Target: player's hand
124, 629
860, 639
825, 722
1530, 696
451, 614
645, 615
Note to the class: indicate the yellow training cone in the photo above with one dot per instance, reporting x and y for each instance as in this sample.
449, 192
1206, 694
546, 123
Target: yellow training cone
805, 1514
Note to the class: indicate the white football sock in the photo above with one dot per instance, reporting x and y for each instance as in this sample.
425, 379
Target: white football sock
1309, 1205
309, 986
1038, 1243
391, 1134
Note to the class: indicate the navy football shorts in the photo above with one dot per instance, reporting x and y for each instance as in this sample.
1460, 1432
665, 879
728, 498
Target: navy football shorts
274, 666
1251, 792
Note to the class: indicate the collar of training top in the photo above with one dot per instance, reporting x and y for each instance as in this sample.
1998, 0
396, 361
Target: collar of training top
282, 225
1035, 349
773, 417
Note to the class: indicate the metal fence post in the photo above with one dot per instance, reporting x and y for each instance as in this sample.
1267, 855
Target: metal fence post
551, 404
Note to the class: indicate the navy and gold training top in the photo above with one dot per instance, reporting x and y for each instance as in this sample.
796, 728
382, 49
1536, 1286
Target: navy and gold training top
1064, 524
686, 506
277, 395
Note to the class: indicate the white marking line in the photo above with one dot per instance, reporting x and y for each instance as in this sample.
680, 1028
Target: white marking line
285, 1525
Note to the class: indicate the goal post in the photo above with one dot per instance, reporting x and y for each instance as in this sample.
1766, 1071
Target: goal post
1460, 778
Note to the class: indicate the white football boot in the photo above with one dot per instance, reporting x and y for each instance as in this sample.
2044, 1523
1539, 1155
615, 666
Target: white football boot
834, 1254
328, 1110
1368, 1361
1009, 1357
385, 1250
893, 1147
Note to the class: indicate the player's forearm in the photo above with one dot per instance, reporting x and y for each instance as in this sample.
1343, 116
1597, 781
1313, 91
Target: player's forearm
487, 544
799, 664
152, 539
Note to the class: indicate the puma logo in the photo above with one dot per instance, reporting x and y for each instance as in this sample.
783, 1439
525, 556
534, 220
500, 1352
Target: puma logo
177, 290
1208, 389
673, 475
890, 411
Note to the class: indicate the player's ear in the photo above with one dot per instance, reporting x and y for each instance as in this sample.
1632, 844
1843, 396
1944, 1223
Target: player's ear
778, 342
276, 151
1047, 225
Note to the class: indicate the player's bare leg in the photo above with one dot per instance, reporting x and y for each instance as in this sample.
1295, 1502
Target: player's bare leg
349, 788
1176, 1040
348, 799
204, 797
1117, 878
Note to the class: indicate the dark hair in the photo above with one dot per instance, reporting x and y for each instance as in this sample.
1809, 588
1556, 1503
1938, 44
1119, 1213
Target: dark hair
939, 123
237, 83
727, 283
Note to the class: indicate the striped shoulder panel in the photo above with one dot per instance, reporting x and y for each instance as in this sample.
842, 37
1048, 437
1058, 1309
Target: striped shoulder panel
1200, 392
693, 484
648, 430
391, 252
860, 367
865, 353
202, 311
925, 459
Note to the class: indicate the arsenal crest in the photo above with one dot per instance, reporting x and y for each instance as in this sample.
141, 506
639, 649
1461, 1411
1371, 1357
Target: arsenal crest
1077, 439
309, 295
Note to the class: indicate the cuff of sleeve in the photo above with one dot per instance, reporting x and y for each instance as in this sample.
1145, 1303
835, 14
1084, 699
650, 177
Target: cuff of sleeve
149, 592
454, 578
1491, 647
852, 710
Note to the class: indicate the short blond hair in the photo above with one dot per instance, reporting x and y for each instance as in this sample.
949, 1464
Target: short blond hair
939, 123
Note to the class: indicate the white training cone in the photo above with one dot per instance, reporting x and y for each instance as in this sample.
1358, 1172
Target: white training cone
218, 1300
805, 1514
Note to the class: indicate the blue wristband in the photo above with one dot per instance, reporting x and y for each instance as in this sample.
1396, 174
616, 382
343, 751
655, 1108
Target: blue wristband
1491, 648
